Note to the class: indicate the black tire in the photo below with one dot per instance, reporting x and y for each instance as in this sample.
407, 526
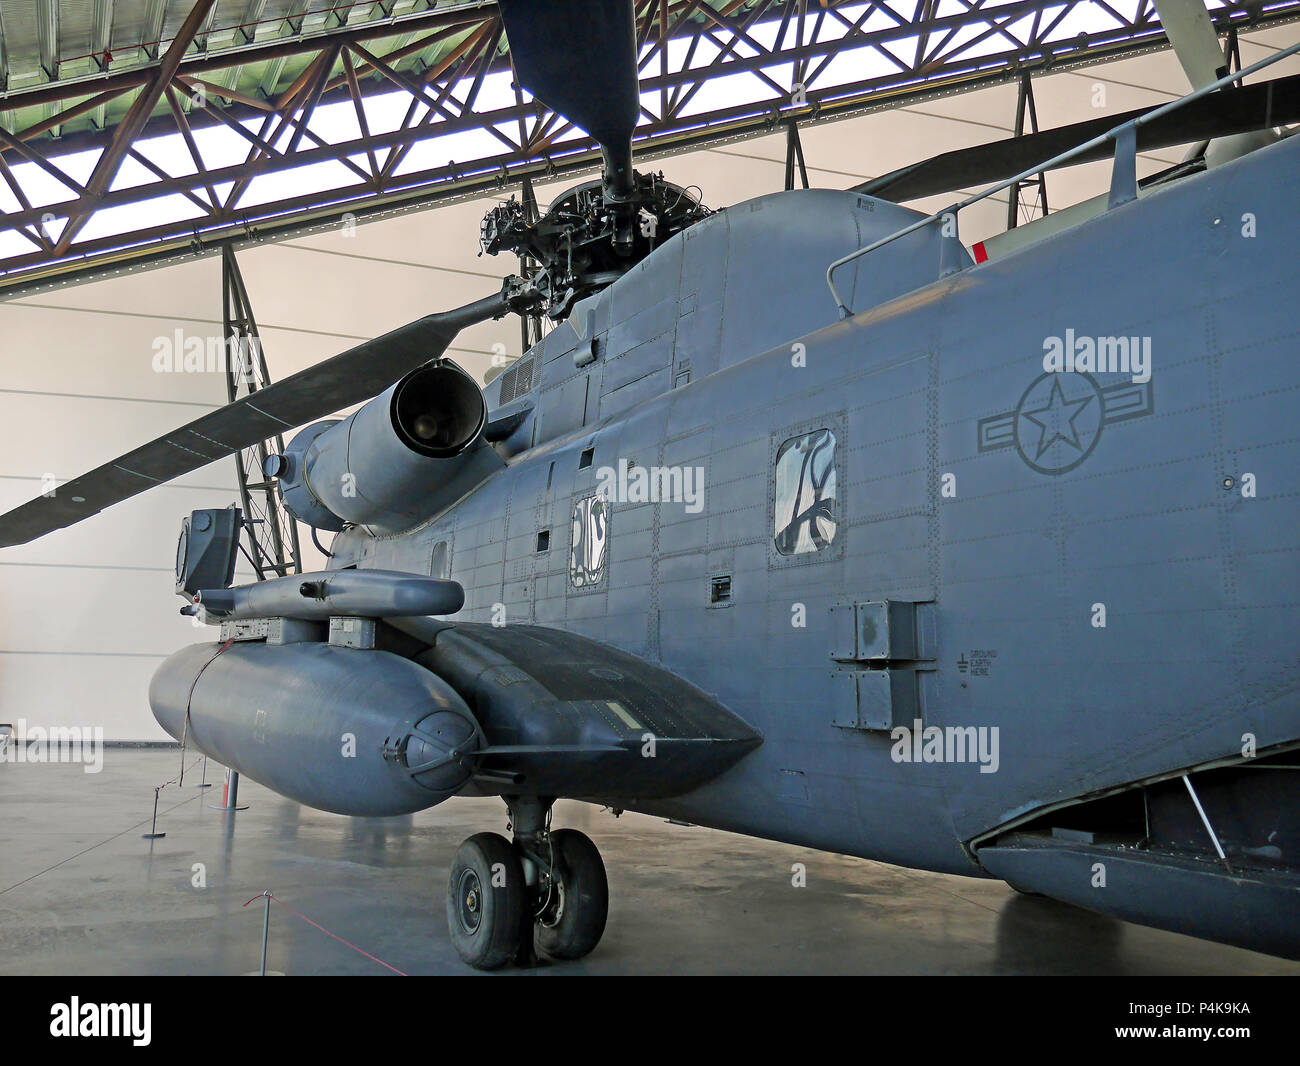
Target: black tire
485, 901
572, 925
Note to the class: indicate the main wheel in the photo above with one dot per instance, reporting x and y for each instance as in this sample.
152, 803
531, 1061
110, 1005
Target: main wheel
572, 922
485, 901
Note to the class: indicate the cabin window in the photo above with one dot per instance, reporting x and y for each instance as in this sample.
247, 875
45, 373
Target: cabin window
720, 591
590, 541
584, 460
544, 540
804, 494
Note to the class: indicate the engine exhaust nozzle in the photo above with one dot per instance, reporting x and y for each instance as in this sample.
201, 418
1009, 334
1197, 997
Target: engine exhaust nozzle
438, 410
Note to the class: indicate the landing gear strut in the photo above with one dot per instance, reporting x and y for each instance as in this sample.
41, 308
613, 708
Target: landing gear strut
547, 890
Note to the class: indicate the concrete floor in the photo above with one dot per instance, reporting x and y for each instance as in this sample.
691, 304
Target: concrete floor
82, 893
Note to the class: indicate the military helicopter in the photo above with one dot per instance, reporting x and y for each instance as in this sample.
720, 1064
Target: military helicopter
916, 570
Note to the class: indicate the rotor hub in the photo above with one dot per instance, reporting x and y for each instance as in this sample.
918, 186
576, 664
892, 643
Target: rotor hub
587, 239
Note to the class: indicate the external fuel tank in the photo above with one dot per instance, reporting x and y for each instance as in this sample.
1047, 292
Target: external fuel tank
359, 732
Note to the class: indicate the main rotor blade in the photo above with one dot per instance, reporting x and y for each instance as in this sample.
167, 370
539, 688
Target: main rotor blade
346, 379
1229, 111
579, 58
1191, 34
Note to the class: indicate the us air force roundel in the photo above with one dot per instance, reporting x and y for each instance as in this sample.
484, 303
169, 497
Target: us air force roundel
1059, 419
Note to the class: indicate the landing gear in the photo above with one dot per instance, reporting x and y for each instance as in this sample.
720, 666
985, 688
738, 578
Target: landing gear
485, 901
544, 890
572, 917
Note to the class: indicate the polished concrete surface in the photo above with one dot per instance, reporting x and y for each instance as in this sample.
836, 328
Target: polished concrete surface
82, 893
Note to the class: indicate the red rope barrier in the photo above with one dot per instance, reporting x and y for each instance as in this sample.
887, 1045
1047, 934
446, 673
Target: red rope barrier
181, 776
359, 951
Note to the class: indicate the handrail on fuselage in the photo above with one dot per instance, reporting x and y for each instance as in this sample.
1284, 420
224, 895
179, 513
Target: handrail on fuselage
1057, 160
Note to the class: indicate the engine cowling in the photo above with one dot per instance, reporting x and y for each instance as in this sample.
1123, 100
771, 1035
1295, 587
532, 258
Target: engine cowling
406, 455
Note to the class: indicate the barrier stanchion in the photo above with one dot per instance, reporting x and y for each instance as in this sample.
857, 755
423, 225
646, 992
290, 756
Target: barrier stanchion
266, 930
153, 833
229, 794
266, 926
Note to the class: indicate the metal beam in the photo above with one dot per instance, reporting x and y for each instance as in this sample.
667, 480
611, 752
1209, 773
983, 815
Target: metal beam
4, 55
101, 42
153, 28
125, 134
101, 32
661, 137
344, 65
201, 34
293, 24
47, 35
247, 28
338, 13
67, 114
682, 29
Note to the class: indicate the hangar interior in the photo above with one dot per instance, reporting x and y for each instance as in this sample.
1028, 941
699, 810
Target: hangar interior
331, 163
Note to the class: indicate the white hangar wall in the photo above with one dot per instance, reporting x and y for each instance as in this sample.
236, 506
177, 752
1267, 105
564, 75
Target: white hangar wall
87, 613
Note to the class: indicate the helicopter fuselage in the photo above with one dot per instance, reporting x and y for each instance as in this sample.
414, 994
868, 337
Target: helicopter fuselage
1094, 558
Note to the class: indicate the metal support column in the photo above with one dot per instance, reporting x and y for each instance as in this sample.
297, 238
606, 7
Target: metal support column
1025, 105
272, 532
793, 154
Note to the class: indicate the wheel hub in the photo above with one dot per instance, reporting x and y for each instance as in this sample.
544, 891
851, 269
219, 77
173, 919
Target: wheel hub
554, 910
469, 893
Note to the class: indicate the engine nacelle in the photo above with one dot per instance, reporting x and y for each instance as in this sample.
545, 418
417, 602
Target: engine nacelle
403, 457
